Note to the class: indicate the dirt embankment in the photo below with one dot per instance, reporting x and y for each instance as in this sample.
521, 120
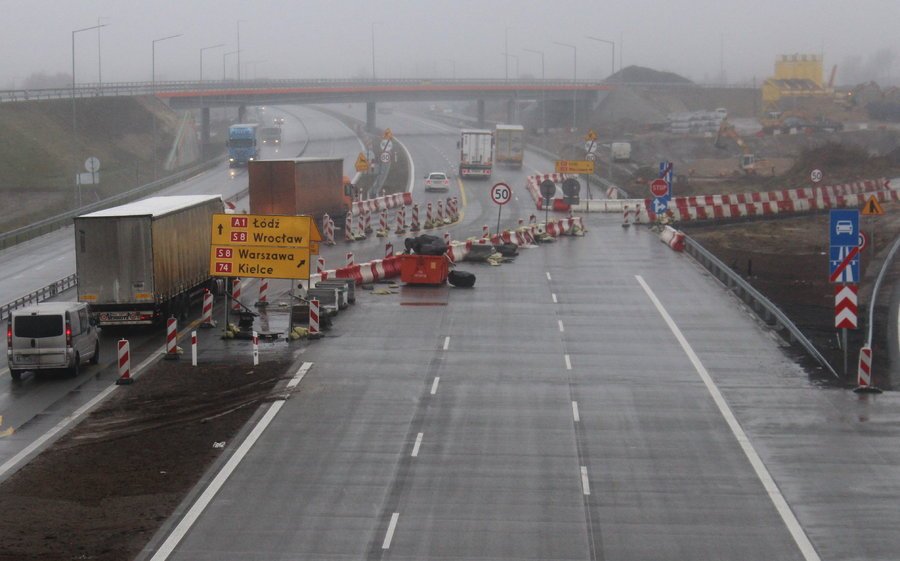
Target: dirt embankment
103, 490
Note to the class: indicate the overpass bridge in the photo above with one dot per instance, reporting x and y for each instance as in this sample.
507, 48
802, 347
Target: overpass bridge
206, 94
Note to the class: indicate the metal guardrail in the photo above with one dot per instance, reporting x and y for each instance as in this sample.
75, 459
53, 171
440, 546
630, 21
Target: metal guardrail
760, 305
38, 295
884, 268
52, 223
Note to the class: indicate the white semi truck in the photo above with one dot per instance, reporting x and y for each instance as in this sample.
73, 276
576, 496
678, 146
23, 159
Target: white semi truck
476, 153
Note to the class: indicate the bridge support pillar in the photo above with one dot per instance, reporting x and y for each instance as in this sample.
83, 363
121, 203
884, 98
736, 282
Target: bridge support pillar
242, 112
481, 113
204, 130
370, 116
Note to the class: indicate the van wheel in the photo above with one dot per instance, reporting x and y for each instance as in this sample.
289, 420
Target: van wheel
16, 375
76, 367
96, 358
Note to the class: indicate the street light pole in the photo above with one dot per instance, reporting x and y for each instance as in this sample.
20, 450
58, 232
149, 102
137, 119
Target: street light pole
201, 56
374, 23
74, 128
506, 51
612, 62
574, 80
543, 91
239, 22
99, 62
224, 67
153, 89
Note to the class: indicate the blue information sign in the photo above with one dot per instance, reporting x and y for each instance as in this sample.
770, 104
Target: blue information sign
843, 233
661, 204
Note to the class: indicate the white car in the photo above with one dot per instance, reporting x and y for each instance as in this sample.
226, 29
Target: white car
437, 181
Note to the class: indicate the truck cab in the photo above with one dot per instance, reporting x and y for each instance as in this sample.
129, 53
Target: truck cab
242, 144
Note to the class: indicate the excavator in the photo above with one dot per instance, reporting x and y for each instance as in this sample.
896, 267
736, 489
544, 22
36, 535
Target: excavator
748, 160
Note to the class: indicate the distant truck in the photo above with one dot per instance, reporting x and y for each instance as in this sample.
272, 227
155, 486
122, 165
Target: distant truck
242, 144
476, 153
270, 135
139, 263
621, 151
295, 186
509, 145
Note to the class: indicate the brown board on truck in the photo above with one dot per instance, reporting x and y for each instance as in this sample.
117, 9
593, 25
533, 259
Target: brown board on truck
311, 186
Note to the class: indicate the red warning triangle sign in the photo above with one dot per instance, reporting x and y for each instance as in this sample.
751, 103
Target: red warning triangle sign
872, 207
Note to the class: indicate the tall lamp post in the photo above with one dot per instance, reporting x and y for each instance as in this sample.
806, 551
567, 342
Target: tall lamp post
374, 23
153, 88
612, 62
74, 128
543, 91
574, 79
506, 51
201, 56
239, 22
99, 61
224, 63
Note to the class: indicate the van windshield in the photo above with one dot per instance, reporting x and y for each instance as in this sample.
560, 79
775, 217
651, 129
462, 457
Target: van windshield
36, 327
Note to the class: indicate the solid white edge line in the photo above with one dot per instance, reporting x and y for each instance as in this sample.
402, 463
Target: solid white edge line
301, 372
434, 385
553, 295
575, 414
585, 484
193, 514
446, 342
781, 505
66, 421
415, 450
568, 363
561, 328
548, 276
390, 531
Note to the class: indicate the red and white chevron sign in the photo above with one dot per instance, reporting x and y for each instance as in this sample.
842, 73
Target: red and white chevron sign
845, 306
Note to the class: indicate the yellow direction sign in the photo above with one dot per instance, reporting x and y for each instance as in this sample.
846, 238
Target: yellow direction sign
574, 166
591, 136
872, 207
259, 262
361, 163
268, 230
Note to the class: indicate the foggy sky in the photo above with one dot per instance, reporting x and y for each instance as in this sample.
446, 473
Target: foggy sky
426, 38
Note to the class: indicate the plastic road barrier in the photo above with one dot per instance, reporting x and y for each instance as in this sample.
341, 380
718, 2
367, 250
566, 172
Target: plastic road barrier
172, 339
207, 321
124, 363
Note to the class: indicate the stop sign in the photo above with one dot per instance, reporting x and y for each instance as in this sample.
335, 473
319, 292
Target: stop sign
659, 187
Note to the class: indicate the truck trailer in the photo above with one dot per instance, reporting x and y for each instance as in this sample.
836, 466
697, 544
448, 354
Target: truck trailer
295, 186
242, 144
476, 153
509, 145
141, 262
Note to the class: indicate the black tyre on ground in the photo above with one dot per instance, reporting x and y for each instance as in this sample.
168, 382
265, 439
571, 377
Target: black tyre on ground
96, 358
16, 375
76, 368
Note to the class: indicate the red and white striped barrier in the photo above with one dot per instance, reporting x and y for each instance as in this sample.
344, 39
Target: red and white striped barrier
124, 363
193, 348
429, 221
485, 231
383, 202
314, 332
172, 339
348, 228
320, 265
401, 228
383, 225
207, 321
255, 349
440, 211
361, 226
672, 238
388, 250
453, 209
558, 203
349, 259
864, 373
236, 294
627, 214
447, 238
414, 226
263, 299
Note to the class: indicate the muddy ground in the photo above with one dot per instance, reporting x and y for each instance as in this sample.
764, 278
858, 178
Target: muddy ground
103, 489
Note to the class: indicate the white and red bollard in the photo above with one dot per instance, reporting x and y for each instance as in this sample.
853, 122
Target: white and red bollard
451, 209
440, 211
348, 228
236, 294
388, 250
349, 259
485, 231
255, 349
207, 321
429, 221
400, 228
532, 219
124, 364
263, 299
367, 220
328, 229
382, 224
360, 226
414, 226
447, 238
320, 266
521, 222
864, 373
314, 332
193, 348
172, 338
626, 216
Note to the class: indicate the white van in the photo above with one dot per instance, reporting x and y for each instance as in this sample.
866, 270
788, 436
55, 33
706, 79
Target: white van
52, 335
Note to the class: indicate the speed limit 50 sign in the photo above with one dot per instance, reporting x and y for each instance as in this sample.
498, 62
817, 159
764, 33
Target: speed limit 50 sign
501, 193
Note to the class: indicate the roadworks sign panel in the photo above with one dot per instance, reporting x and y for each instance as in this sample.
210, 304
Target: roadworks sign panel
259, 262
574, 166
872, 207
258, 229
